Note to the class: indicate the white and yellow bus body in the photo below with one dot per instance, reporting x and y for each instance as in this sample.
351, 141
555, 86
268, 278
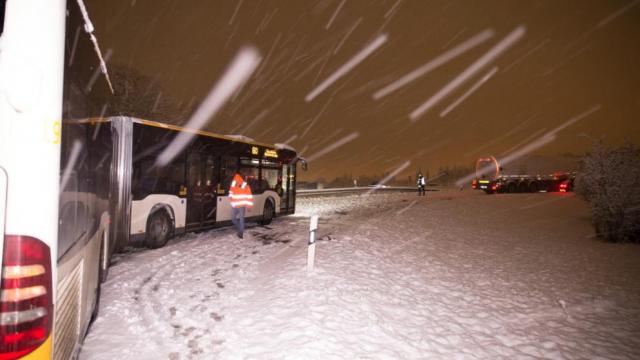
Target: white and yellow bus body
53, 229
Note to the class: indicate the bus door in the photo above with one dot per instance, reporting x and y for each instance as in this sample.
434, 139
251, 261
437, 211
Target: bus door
288, 188
194, 190
202, 180
292, 187
228, 167
284, 201
211, 182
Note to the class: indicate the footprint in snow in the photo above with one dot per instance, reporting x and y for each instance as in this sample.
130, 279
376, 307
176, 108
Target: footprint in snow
215, 316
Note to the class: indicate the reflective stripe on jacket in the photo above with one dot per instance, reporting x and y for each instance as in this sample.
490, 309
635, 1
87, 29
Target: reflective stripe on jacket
240, 193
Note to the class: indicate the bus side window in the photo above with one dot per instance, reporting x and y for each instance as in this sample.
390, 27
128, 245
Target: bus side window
228, 167
101, 150
174, 174
270, 176
250, 175
74, 216
151, 179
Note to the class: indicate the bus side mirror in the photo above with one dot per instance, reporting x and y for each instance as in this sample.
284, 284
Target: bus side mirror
303, 163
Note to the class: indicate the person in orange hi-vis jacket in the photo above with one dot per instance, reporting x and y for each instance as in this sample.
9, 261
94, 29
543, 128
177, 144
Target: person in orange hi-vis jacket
241, 198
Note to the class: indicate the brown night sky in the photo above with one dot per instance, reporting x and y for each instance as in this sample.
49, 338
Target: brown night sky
565, 65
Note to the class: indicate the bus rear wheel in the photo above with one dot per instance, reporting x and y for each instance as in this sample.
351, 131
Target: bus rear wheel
158, 230
268, 213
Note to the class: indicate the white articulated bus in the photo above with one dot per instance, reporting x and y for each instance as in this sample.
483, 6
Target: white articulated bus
149, 203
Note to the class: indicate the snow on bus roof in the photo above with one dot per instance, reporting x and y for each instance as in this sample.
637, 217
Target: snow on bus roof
240, 137
281, 146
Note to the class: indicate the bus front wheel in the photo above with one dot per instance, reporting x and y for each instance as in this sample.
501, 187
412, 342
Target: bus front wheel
158, 230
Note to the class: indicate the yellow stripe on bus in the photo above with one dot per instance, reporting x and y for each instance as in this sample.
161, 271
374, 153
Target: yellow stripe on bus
96, 120
199, 132
43, 352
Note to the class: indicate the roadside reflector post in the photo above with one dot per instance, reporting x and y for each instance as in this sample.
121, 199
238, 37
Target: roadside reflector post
311, 249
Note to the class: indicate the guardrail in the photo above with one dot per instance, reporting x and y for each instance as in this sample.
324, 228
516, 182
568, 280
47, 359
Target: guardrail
353, 190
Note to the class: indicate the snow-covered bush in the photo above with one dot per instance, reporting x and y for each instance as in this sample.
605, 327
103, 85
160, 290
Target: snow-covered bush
610, 181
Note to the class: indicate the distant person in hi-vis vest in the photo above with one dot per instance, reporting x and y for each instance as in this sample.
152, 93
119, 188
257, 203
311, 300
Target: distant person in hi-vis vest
241, 198
421, 185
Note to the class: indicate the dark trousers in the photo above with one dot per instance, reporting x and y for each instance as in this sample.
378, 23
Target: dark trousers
237, 218
421, 190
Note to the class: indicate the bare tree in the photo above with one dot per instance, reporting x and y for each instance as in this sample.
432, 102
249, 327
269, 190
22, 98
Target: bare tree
139, 95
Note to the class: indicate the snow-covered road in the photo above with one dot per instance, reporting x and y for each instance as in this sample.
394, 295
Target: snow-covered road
455, 274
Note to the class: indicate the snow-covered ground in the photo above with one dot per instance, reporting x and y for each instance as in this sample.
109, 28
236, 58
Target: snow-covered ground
452, 275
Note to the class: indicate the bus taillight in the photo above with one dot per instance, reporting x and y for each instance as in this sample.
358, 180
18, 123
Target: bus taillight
26, 306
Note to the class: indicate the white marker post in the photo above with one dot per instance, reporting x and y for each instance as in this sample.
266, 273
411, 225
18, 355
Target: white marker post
311, 253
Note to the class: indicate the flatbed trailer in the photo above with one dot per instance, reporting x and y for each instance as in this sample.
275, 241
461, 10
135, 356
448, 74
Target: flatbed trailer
499, 183
526, 183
